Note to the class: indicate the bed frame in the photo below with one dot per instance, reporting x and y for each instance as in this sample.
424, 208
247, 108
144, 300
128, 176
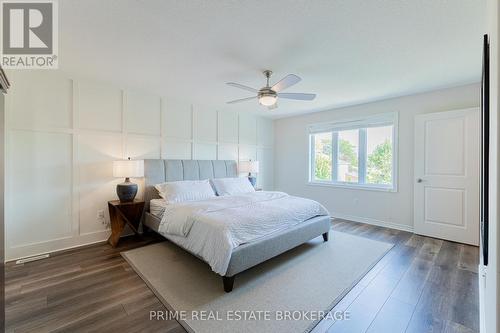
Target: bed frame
246, 255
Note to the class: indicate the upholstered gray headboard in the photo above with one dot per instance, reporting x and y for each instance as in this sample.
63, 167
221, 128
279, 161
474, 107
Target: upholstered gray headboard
160, 171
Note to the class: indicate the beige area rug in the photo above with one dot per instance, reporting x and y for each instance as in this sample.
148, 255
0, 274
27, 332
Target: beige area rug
302, 283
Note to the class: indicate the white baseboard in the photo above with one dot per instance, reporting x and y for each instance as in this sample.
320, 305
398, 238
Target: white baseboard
20, 252
376, 222
56, 245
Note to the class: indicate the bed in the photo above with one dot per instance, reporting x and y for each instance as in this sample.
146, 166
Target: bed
243, 256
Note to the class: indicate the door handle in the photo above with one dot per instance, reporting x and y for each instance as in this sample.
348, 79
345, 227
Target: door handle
420, 180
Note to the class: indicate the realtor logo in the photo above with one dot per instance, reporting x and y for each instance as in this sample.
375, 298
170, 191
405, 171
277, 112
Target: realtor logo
29, 34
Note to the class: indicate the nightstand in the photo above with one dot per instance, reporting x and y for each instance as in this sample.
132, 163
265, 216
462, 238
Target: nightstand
121, 214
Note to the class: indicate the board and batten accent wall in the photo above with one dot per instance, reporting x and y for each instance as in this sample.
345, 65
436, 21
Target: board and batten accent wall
64, 133
383, 208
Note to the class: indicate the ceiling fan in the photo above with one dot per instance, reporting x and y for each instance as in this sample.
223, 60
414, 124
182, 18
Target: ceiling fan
269, 95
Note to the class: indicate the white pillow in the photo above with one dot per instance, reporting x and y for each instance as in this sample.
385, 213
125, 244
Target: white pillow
231, 186
186, 190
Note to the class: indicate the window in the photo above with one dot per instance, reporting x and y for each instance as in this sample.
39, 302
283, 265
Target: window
379, 146
347, 156
357, 153
323, 156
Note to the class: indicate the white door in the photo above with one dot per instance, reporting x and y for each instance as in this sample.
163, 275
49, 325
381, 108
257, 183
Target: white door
446, 191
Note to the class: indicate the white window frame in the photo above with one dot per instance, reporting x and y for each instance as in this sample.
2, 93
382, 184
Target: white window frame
379, 120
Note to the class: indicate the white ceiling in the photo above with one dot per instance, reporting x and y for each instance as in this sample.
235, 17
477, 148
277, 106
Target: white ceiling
347, 52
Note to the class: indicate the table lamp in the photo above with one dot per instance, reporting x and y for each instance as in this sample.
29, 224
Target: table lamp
250, 167
127, 169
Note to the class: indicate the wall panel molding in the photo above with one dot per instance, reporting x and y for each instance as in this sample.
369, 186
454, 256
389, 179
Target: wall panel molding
142, 113
101, 124
38, 202
100, 106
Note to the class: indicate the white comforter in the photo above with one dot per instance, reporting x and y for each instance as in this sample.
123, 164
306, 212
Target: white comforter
212, 228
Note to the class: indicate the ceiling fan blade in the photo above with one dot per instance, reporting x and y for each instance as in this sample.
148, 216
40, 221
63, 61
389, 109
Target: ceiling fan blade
242, 100
299, 96
241, 86
286, 82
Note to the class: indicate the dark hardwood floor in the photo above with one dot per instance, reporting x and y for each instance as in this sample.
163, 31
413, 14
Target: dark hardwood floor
421, 285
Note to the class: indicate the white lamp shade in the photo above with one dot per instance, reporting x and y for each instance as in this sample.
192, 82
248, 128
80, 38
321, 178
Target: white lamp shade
249, 166
128, 168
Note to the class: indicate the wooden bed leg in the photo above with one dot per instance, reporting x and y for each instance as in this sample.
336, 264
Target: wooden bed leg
325, 236
228, 282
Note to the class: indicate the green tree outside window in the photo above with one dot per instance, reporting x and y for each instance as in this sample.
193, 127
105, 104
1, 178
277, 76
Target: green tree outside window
379, 164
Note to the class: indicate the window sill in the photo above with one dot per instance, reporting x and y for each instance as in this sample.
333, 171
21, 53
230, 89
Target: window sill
354, 186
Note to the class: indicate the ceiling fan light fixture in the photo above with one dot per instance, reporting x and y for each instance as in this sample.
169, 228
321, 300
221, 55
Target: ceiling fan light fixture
268, 95
267, 100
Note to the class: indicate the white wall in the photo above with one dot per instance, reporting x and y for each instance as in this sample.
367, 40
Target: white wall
64, 133
376, 207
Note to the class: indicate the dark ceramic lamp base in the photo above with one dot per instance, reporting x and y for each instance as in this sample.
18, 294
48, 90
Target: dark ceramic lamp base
126, 191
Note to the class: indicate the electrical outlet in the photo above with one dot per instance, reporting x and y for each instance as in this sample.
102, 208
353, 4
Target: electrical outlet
100, 216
